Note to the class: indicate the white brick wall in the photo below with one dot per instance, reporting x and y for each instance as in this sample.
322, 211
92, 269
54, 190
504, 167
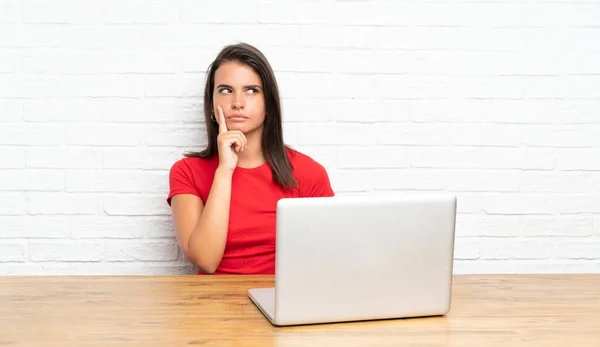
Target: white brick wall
496, 101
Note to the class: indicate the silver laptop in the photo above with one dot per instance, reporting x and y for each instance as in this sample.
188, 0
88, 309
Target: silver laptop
361, 257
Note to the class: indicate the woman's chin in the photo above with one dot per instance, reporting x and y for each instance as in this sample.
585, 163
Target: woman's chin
244, 128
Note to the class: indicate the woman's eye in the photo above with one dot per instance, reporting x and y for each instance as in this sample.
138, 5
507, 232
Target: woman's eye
225, 90
253, 90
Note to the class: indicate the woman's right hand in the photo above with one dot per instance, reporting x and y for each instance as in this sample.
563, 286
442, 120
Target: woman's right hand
229, 143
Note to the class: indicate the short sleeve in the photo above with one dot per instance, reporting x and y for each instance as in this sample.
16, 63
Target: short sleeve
316, 182
181, 181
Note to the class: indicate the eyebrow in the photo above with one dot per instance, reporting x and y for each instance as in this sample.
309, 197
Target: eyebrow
246, 87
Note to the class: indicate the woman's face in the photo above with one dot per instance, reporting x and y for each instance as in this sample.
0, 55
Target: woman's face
239, 92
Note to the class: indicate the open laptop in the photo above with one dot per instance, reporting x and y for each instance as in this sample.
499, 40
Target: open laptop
361, 257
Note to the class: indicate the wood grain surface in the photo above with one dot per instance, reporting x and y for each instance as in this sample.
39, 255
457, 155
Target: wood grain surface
487, 310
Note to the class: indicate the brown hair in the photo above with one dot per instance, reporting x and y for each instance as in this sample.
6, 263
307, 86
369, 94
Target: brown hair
272, 144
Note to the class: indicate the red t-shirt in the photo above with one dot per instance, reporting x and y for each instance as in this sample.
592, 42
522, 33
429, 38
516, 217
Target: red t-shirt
250, 246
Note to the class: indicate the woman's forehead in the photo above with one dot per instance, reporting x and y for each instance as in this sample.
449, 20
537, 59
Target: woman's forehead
236, 74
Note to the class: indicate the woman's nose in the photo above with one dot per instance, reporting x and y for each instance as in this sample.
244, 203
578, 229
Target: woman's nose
237, 102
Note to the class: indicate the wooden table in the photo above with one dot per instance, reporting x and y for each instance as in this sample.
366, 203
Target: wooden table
490, 310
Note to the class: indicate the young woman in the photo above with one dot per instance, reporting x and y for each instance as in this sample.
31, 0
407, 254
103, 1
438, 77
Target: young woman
223, 199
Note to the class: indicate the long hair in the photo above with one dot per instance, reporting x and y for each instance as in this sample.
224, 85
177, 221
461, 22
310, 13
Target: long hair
272, 145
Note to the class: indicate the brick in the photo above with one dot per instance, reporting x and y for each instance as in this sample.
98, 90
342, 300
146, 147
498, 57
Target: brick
367, 13
126, 86
308, 110
582, 86
186, 36
15, 35
10, 11
136, 205
554, 267
483, 158
121, 227
368, 37
367, 62
372, 157
12, 204
120, 11
578, 250
543, 87
31, 180
197, 59
66, 251
484, 267
296, 13
60, 61
13, 252
576, 204
12, 158
575, 63
192, 111
447, 15
141, 111
491, 226
426, 87
64, 158
423, 38
102, 36
470, 202
193, 12
519, 204
558, 182
159, 11
142, 251
494, 248
323, 155
186, 136
408, 134
491, 135
15, 86
563, 226
305, 85
10, 60
407, 180
351, 86
34, 227
140, 158
79, 12
126, 181
302, 59
11, 111
578, 159
465, 249
104, 135
501, 111
132, 11
351, 180
31, 134
140, 61
335, 134
174, 86
290, 134
272, 35
481, 180
61, 110
362, 110
63, 204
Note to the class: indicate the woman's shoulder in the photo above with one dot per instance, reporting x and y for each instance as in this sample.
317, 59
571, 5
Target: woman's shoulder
193, 165
303, 162
311, 175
